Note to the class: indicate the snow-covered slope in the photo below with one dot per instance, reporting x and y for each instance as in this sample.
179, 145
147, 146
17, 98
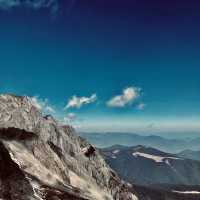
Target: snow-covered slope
148, 166
48, 160
187, 192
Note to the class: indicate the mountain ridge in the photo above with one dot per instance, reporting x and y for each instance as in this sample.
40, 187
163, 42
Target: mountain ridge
190, 154
152, 166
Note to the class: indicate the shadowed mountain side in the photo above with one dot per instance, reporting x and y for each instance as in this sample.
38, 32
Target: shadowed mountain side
149, 166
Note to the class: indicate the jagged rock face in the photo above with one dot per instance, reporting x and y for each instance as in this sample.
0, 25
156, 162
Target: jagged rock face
48, 160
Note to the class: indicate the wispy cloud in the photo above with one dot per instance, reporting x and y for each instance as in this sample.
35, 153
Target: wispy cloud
50, 109
42, 104
141, 106
78, 102
6, 4
70, 117
50, 4
128, 96
73, 120
38, 102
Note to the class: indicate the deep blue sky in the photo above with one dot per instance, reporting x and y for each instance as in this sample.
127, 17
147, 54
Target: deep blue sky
102, 47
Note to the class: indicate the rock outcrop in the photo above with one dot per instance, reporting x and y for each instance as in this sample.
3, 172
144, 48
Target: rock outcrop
43, 160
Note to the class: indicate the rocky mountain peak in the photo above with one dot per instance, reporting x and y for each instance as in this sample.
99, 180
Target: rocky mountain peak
49, 160
19, 112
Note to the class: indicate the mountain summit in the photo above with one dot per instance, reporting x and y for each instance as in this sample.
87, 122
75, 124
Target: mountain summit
43, 160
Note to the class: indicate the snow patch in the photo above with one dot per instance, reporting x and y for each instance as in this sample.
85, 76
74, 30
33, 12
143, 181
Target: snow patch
114, 157
186, 192
35, 187
116, 151
134, 197
158, 159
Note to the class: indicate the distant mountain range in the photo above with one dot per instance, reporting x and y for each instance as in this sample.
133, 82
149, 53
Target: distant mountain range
103, 140
189, 154
148, 166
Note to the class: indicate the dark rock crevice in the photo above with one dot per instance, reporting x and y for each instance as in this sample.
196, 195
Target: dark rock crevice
12, 133
90, 151
13, 185
56, 149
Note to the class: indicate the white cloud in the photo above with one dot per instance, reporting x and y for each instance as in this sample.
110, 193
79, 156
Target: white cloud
126, 98
49, 109
141, 106
78, 102
42, 104
36, 102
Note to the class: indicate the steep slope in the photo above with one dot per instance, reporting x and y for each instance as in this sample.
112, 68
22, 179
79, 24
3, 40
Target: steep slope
42, 159
148, 166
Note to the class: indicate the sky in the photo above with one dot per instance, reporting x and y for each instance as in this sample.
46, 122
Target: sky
106, 65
